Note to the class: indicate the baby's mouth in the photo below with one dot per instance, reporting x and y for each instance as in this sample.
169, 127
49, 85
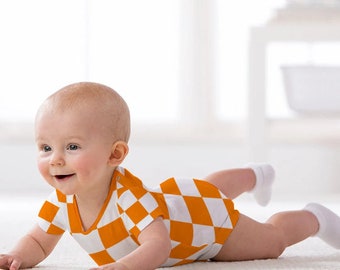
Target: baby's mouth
63, 176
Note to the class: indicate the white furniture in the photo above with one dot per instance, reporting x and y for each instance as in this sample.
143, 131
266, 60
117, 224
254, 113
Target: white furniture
323, 28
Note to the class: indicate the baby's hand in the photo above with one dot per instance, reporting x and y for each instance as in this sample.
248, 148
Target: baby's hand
10, 262
111, 266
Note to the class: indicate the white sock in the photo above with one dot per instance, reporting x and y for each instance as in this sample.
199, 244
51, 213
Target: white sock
265, 175
329, 224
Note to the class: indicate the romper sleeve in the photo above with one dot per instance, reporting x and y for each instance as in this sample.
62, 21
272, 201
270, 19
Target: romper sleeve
51, 217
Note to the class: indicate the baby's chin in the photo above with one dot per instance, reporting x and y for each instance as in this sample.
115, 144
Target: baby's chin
64, 183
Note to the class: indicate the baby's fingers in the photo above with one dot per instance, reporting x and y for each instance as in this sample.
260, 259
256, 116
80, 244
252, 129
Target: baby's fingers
15, 265
5, 261
9, 262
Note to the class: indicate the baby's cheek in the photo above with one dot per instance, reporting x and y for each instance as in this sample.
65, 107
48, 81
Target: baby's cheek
83, 165
87, 166
43, 168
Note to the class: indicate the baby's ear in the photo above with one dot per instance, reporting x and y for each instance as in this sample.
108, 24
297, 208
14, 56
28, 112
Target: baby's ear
119, 151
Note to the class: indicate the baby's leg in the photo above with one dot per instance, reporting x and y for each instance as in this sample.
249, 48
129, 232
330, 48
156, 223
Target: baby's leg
256, 178
233, 182
253, 240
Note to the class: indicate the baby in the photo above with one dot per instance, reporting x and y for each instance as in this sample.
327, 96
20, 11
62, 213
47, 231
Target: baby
82, 134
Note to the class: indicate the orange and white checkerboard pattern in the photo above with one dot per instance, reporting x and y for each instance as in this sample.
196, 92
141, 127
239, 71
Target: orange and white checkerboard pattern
198, 216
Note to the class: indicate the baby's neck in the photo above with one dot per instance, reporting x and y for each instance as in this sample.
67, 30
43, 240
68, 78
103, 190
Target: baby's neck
91, 204
89, 210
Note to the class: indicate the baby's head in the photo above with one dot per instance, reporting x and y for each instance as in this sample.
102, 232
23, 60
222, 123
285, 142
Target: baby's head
100, 105
81, 133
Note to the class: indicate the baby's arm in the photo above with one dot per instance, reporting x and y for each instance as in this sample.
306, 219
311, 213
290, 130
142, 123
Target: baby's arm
154, 249
30, 250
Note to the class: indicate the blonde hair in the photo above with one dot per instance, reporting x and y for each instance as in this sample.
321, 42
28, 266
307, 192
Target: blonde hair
100, 99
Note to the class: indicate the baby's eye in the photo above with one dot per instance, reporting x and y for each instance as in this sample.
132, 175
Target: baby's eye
46, 148
72, 147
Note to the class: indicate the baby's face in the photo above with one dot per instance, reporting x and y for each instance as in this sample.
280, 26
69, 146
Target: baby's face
73, 150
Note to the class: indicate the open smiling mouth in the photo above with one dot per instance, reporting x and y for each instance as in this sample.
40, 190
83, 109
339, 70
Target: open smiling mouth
63, 176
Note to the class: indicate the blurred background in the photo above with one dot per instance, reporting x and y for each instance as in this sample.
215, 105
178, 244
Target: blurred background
211, 84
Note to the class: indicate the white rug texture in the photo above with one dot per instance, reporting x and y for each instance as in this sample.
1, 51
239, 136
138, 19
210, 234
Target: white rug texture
18, 215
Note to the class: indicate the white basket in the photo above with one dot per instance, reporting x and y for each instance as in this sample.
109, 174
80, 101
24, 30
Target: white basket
312, 89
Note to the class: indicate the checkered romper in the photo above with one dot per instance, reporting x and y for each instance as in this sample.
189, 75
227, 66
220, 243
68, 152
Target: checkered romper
198, 216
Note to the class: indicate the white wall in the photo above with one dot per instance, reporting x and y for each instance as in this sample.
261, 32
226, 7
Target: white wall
300, 166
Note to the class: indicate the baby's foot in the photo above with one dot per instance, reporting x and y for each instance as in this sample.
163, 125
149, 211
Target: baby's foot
265, 175
329, 224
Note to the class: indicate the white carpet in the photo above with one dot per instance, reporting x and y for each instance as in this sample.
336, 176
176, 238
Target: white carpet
17, 216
